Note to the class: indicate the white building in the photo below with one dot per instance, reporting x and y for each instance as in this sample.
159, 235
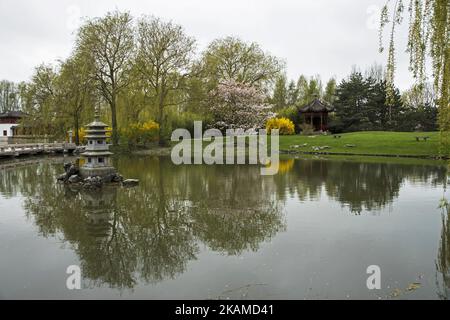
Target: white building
9, 122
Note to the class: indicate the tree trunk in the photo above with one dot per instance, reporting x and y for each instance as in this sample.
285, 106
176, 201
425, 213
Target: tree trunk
161, 138
115, 134
77, 126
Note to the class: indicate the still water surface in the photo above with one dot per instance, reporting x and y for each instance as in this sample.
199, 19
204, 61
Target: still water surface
218, 232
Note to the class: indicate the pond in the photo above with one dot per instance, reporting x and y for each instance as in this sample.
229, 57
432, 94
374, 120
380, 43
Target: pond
226, 232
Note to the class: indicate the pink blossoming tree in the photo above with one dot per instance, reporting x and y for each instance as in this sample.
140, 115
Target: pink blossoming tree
239, 106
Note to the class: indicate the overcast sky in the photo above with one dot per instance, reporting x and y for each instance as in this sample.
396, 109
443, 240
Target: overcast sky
325, 37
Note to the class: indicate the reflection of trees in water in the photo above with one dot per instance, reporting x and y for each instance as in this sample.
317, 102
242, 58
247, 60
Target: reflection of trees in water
151, 232
360, 185
443, 258
235, 209
232, 208
120, 235
15, 180
364, 186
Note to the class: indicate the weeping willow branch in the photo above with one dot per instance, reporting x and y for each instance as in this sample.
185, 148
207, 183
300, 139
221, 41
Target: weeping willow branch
428, 37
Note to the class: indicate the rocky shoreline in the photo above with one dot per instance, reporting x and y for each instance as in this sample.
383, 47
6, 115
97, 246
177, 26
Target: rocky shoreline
72, 176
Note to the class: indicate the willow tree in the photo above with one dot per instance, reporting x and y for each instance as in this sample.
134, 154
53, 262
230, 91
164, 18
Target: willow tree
429, 29
164, 60
109, 42
231, 59
40, 101
74, 90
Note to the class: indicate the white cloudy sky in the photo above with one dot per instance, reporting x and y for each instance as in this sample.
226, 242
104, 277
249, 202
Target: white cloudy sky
325, 37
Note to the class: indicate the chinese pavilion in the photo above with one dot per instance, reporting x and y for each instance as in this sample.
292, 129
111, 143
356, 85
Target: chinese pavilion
316, 113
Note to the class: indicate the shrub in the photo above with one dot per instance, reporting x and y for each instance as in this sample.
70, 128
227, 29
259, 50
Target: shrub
140, 133
292, 114
335, 125
306, 129
108, 134
285, 126
289, 112
185, 120
149, 131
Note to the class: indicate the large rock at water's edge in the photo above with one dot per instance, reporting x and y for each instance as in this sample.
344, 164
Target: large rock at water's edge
67, 166
74, 179
73, 170
130, 182
93, 182
108, 178
70, 170
114, 177
117, 178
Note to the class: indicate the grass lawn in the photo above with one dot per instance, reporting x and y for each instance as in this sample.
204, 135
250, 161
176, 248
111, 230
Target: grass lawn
366, 143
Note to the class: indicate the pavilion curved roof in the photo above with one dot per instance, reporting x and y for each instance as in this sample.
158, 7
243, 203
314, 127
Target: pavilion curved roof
316, 106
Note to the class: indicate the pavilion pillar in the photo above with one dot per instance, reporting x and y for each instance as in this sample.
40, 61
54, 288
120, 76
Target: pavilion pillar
321, 122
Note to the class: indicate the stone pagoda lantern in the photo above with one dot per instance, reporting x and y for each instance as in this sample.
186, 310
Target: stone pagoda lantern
97, 158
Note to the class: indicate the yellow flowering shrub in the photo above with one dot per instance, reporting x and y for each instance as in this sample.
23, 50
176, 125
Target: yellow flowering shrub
82, 136
141, 132
284, 125
108, 132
